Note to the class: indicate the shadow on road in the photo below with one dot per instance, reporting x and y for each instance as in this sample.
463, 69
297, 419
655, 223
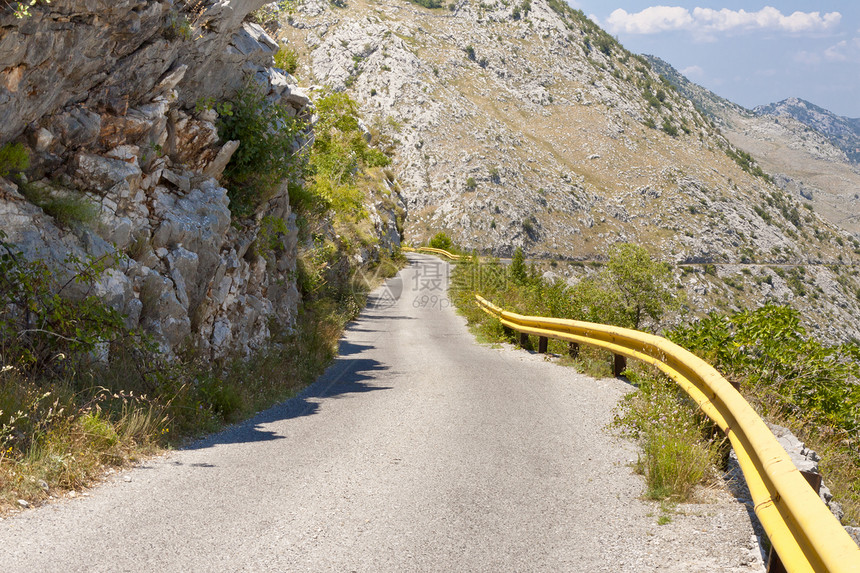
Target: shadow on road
348, 374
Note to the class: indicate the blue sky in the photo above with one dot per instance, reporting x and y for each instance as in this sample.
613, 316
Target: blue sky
750, 53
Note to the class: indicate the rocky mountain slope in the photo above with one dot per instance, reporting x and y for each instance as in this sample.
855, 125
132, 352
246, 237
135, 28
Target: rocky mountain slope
524, 124
844, 132
803, 155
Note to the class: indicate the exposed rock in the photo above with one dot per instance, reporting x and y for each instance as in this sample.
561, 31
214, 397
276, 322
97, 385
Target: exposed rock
805, 460
101, 174
105, 95
216, 166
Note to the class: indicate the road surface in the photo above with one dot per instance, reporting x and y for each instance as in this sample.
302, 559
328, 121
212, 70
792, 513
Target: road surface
417, 450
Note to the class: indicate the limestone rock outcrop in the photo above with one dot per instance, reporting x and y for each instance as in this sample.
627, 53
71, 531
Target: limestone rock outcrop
104, 94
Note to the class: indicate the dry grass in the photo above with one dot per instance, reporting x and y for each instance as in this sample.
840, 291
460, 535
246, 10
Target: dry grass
838, 450
65, 435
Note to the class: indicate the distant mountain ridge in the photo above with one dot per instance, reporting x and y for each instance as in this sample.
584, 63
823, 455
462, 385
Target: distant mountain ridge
844, 132
803, 146
841, 132
709, 103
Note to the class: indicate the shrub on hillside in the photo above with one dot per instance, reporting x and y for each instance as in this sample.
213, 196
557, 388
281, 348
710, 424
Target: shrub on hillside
267, 153
339, 153
441, 241
287, 59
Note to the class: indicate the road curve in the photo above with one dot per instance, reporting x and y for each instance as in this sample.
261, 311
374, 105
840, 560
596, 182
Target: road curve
417, 450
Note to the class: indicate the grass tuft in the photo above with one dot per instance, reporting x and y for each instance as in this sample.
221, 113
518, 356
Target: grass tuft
680, 446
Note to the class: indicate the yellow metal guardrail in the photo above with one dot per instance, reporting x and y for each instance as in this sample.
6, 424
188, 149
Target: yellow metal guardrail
434, 251
805, 535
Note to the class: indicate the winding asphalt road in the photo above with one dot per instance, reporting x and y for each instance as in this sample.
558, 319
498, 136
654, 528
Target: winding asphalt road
417, 450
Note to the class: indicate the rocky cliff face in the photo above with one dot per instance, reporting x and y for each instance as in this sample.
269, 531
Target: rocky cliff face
524, 124
104, 94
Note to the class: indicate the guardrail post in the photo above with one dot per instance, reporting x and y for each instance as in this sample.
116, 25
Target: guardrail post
619, 364
573, 349
774, 564
543, 342
524, 339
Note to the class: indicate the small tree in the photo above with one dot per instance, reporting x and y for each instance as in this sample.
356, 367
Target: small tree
643, 285
519, 271
441, 241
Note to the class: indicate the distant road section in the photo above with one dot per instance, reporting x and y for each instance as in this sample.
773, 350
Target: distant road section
418, 450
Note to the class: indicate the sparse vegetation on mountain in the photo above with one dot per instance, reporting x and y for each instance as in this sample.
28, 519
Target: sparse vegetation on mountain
287, 59
746, 162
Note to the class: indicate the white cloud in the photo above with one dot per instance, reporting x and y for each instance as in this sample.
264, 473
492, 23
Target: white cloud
693, 72
844, 51
658, 19
808, 58
651, 20
837, 53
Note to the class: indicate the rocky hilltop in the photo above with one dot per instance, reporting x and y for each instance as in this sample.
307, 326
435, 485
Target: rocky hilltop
842, 131
800, 145
511, 124
526, 125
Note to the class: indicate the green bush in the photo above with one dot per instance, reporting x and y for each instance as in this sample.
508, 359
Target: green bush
429, 4
643, 285
441, 241
770, 351
340, 152
669, 128
518, 271
794, 380
266, 156
40, 330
